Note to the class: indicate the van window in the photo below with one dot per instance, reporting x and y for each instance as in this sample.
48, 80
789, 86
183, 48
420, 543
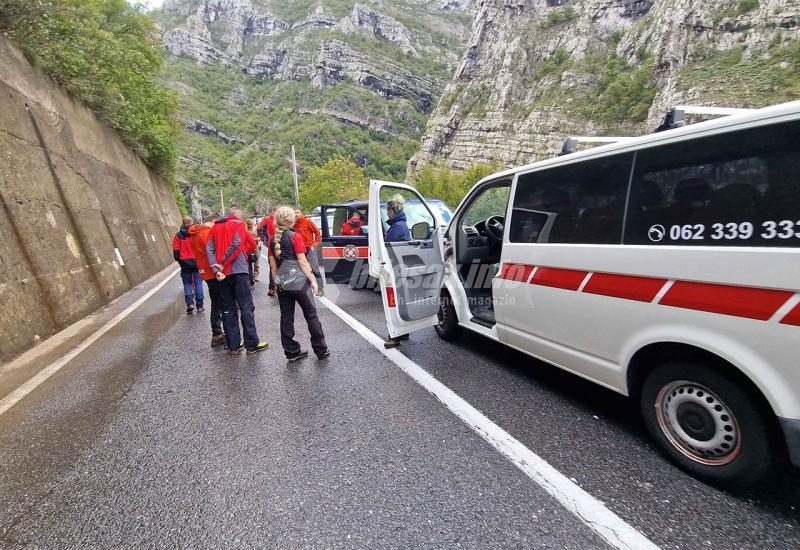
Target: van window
734, 189
581, 202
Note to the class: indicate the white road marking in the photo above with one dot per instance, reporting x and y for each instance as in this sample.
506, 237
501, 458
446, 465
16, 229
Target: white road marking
613, 529
14, 397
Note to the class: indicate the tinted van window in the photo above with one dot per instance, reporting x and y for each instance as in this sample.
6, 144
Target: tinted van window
735, 189
581, 202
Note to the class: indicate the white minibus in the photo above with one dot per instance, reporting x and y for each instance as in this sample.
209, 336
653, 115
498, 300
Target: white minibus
664, 267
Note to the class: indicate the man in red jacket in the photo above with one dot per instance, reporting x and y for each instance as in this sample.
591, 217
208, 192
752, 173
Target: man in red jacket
198, 237
183, 253
228, 250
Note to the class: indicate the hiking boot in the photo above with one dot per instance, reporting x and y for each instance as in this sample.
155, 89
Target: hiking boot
271, 292
324, 355
390, 343
200, 309
218, 340
260, 347
302, 354
189, 310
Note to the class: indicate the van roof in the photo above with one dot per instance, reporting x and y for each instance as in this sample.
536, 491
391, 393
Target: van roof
764, 115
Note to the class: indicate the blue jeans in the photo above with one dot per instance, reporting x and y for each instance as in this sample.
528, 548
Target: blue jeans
192, 288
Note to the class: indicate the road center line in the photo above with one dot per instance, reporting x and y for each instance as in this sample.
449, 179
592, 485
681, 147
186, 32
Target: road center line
17, 395
593, 513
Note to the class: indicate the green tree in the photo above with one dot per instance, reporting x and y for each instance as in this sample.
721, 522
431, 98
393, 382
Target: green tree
339, 179
439, 181
106, 53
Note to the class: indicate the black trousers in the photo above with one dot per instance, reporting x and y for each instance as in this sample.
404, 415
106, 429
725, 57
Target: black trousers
235, 291
287, 300
216, 306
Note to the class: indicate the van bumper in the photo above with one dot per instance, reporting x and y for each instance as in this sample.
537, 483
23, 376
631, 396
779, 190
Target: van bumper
791, 432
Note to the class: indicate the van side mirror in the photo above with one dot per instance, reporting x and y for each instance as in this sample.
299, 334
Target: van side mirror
421, 231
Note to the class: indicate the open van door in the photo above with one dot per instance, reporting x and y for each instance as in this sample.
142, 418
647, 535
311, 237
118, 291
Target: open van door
410, 271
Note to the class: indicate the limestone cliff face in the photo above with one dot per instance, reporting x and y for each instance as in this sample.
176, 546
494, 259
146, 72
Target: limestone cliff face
248, 34
537, 71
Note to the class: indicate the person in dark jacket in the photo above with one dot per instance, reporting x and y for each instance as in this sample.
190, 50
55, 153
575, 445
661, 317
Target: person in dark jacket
286, 245
398, 232
398, 228
183, 253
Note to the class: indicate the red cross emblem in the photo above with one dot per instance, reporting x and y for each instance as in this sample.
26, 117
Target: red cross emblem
350, 253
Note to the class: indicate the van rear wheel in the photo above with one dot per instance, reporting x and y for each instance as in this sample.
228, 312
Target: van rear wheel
447, 328
708, 424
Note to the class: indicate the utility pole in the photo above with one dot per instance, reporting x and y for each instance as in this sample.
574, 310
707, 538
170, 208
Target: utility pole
296, 188
221, 203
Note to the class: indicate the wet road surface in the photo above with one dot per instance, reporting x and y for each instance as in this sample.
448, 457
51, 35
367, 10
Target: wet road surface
596, 437
149, 438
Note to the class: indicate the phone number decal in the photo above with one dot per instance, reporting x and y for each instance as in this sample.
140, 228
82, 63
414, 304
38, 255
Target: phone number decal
783, 229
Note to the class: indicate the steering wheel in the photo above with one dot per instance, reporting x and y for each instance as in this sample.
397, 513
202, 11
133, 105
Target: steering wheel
495, 226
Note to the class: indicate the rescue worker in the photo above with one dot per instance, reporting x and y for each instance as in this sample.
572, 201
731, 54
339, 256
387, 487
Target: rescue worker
228, 249
255, 257
352, 227
312, 237
288, 246
397, 232
184, 254
266, 230
198, 237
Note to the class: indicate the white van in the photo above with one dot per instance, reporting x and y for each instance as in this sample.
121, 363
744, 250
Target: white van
664, 267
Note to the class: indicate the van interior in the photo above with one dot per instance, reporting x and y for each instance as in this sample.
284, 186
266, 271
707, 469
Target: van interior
479, 243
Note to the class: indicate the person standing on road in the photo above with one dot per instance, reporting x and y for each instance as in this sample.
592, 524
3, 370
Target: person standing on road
255, 257
183, 253
297, 285
397, 232
228, 249
266, 230
198, 237
312, 237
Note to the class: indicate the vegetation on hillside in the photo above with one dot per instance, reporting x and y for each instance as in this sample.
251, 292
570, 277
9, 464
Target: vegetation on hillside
270, 116
107, 53
746, 77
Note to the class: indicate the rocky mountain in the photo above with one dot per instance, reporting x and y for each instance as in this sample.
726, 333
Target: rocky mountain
537, 71
329, 76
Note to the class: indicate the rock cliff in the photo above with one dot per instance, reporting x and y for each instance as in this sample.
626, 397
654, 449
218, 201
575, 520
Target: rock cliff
537, 71
331, 77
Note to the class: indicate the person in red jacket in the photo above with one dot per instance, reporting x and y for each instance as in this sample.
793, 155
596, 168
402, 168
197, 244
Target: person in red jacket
183, 253
352, 227
198, 237
266, 230
312, 237
228, 249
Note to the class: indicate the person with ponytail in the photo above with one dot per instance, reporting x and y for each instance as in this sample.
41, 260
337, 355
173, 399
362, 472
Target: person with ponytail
295, 284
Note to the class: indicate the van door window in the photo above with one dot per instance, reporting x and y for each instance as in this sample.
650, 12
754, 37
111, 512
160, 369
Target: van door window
347, 222
733, 189
582, 202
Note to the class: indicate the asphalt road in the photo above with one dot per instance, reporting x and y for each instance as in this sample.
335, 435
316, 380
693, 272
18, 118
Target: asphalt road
596, 437
149, 438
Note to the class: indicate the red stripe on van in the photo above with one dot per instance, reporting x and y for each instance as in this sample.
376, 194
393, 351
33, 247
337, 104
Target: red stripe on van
752, 303
793, 317
567, 279
628, 287
516, 272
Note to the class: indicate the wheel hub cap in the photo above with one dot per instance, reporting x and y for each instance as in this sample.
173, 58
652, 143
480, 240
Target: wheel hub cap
698, 423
